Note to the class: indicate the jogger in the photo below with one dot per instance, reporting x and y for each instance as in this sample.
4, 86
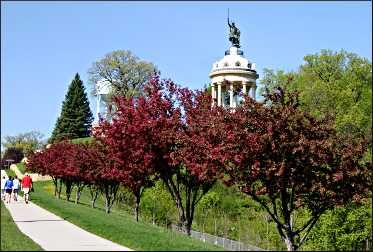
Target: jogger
26, 186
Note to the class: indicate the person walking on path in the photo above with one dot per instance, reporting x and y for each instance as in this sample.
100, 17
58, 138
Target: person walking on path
16, 186
8, 189
3, 180
26, 187
54, 233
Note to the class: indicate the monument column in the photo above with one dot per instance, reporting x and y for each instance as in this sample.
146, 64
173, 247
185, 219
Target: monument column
219, 93
253, 91
213, 93
231, 96
244, 87
98, 109
244, 84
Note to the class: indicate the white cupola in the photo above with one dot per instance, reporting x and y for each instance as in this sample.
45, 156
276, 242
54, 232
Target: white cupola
233, 75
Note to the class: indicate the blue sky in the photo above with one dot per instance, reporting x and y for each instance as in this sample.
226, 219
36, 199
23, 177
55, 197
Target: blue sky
43, 44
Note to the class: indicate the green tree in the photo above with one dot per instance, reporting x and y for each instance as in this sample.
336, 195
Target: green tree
27, 142
334, 83
76, 117
124, 71
338, 84
344, 228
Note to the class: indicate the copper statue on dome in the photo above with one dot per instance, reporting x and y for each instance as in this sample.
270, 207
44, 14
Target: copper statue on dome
234, 34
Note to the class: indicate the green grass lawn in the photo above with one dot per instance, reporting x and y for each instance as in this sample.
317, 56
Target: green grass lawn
12, 239
82, 140
21, 167
10, 172
118, 226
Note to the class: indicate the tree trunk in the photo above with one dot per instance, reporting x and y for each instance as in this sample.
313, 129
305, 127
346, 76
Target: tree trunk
175, 194
107, 199
68, 189
55, 182
78, 191
180, 209
110, 192
290, 245
93, 200
188, 227
107, 205
289, 241
367, 244
59, 190
137, 204
188, 213
94, 194
215, 227
192, 188
153, 216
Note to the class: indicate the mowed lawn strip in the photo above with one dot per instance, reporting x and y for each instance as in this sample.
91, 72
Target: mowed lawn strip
12, 239
10, 173
21, 167
120, 228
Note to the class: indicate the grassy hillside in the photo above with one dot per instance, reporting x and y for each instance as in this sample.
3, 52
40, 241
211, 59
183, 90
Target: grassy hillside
21, 167
224, 212
117, 226
82, 140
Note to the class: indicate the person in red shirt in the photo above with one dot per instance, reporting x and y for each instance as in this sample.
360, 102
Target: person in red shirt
26, 187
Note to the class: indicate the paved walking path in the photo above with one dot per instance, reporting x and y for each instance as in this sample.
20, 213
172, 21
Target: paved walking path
54, 233
34, 176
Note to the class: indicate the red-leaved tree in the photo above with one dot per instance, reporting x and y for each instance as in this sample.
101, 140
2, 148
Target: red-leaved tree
80, 164
127, 137
169, 133
104, 174
286, 160
96, 160
191, 164
52, 161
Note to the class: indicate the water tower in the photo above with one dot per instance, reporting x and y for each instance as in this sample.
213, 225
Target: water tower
103, 90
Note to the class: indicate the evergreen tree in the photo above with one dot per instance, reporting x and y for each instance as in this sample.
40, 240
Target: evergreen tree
76, 117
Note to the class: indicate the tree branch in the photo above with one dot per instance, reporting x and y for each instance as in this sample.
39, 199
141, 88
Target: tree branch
268, 210
310, 221
309, 229
292, 197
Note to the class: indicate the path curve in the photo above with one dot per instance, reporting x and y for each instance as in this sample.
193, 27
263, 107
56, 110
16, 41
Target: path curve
34, 176
54, 233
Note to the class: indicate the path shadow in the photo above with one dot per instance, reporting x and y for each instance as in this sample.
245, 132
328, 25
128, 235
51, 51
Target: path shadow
38, 220
89, 205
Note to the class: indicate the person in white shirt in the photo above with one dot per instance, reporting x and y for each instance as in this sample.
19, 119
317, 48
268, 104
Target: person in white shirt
16, 185
3, 180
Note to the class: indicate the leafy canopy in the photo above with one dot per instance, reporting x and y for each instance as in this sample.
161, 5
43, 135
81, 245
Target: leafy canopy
124, 71
286, 159
167, 132
334, 83
27, 142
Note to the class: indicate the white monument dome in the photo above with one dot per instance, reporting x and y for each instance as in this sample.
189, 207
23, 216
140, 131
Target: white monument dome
233, 75
233, 67
233, 59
